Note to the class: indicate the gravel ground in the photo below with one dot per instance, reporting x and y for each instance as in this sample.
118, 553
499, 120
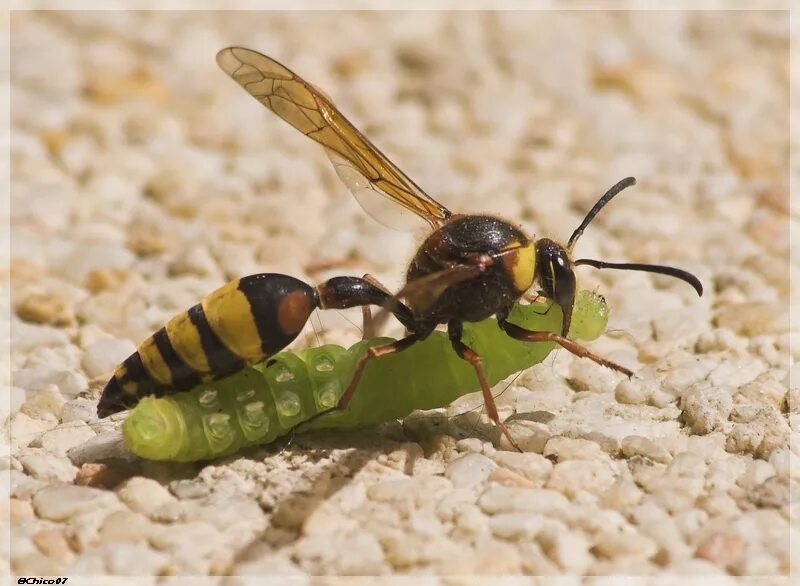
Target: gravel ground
144, 178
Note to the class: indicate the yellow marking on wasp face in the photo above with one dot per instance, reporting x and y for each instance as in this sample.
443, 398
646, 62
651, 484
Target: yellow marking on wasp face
121, 371
521, 264
228, 313
154, 362
185, 338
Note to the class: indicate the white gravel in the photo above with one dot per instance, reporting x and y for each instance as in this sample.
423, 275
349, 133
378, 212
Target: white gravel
144, 178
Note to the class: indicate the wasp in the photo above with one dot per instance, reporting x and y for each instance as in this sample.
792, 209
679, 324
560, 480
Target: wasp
468, 268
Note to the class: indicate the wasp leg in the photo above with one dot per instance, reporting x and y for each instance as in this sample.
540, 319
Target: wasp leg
454, 330
519, 333
374, 352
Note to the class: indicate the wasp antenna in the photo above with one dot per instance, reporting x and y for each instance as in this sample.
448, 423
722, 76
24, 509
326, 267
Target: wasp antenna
607, 197
661, 270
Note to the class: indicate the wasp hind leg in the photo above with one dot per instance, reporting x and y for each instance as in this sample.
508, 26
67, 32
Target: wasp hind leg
455, 329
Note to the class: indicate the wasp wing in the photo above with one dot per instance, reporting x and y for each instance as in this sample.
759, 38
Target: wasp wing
363, 168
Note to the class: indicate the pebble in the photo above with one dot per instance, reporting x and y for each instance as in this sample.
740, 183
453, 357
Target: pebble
416, 489
75, 261
53, 543
144, 495
30, 336
47, 466
529, 435
46, 403
24, 430
60, 439
706, 407
469, 470
78, 409
125, 526
572, 476
505, 499
104, 355
534, 467
516, 526
569, 549
566, 448
642, 446
69, 382
59, 502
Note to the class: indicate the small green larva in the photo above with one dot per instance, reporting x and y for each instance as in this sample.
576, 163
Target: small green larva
265, 401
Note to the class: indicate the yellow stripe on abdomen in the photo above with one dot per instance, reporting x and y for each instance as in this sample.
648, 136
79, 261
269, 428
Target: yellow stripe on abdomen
154, 362
185, 339
228, 313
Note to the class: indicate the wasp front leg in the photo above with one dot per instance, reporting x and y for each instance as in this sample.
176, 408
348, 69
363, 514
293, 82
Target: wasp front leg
579, 350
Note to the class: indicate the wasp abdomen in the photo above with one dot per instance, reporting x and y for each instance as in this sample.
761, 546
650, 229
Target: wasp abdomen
240, 323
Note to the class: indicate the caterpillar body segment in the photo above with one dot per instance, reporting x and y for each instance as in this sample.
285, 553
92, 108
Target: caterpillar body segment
265, 401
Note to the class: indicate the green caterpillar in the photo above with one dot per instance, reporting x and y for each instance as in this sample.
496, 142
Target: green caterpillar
265, 401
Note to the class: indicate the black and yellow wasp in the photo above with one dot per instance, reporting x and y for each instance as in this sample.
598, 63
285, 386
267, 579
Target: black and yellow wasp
468, 268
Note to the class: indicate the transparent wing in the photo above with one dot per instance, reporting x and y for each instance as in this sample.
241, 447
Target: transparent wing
368, 173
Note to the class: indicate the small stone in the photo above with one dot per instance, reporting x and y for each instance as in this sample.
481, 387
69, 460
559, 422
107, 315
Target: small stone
506, 477
752, 318
24, 431
516, 526
622, 495
566, 448
706, 407
144, 495
504, 499
75, 261
28, 336
53, 544
100, 280
46, 466
757, 472
570, 550
786, 464
631, 392
45, 308
638, 445
721, 549
613, 544
417, 489
534, 467
765, 389
125, 526
20, 511
60, 502
104, 474
469, 470
45, 403
529, 435
572, 476
60, 439
78, 409
104, 355
758, 431
69, 383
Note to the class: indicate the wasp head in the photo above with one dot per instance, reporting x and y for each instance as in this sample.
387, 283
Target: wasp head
554, 269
